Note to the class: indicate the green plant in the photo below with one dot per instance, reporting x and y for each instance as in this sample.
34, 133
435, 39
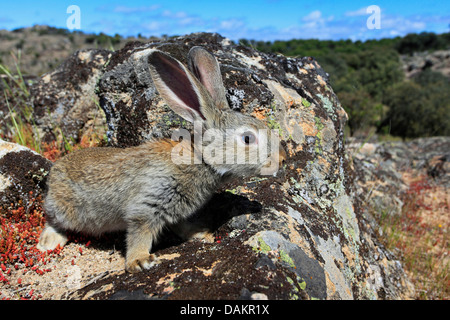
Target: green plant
17, 80
419, 108
15, 124
21, 113
414, 42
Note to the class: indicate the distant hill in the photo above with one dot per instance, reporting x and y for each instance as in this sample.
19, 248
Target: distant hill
43, 48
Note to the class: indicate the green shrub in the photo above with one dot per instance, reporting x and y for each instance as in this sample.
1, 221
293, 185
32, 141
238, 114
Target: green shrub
369, 81
419, 107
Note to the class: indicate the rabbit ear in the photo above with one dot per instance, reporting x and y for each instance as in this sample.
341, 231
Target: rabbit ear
205, 67
177, 86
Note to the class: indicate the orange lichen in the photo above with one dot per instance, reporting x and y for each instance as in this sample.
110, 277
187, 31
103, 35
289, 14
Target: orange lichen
259, 114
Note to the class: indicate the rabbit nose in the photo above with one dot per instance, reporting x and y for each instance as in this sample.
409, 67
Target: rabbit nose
281, 155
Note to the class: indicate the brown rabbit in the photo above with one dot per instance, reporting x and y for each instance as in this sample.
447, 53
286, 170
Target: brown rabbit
143, 189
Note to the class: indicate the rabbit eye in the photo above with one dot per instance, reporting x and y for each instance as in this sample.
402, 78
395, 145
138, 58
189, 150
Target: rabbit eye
248, 137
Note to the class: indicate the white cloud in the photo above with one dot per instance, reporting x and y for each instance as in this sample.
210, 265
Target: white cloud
157, 20
153, 26
174, 15
190, 21
313, 16
356, 13
316, 25
125, 9
231, 24
401, 25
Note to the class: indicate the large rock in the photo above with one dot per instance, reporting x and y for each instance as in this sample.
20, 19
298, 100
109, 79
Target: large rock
438, 61
302, 234
380, 169
64, 100
23, 174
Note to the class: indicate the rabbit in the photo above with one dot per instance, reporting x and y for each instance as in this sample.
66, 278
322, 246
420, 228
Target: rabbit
141, 190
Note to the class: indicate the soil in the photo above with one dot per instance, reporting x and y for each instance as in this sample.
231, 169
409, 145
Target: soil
76, 265
94, 269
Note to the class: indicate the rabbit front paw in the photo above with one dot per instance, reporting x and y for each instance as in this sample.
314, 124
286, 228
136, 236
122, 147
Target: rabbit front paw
139, 262
50, 239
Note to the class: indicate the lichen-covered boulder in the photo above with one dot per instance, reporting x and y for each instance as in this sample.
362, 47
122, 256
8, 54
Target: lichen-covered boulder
23, 174
64, 100
380, 168
299, 235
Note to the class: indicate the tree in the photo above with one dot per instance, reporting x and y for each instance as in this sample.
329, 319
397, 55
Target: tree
362, 111
436, 90
424, 41
417, 110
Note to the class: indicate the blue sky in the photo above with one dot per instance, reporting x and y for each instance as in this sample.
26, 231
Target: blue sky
235, 19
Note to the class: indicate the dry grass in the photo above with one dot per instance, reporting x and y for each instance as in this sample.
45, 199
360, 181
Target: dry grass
421, 236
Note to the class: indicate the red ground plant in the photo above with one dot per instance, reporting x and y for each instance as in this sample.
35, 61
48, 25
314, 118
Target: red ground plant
20, 227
